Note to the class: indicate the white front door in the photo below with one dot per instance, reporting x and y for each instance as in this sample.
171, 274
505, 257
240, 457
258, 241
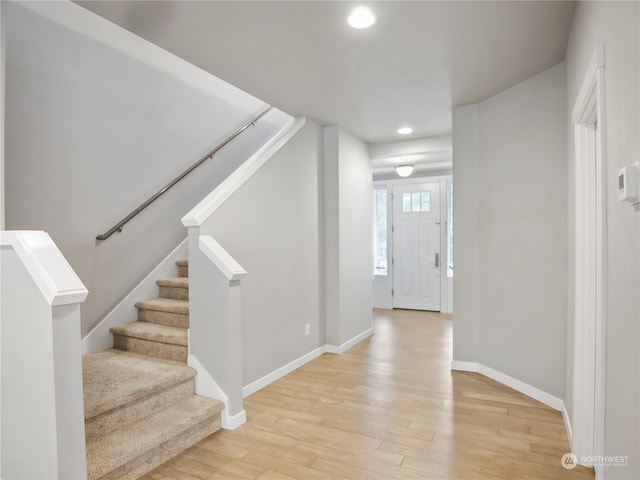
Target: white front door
416, 246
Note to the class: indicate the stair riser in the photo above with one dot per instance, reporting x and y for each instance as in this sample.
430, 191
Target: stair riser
183, 271
161, 454
164, 318
177, 353
176, 293
126, 414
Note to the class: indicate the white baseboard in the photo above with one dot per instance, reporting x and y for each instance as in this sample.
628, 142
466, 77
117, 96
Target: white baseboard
299, 362
208, 387
99, 337
281, 372
350, 343
464, 366
567, 425
518, 385
231, 422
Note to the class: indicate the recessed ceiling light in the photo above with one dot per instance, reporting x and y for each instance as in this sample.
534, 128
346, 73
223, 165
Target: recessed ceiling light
405, 130
361, 17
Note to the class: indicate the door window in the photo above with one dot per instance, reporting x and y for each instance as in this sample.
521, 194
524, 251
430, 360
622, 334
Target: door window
413, 202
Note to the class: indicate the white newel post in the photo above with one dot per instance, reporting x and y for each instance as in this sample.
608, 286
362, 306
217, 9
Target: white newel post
41, 398
215, 325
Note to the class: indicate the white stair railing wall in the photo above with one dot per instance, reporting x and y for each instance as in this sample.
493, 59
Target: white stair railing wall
41, 398
215, 306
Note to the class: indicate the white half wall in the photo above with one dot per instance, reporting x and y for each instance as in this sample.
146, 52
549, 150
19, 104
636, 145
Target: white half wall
510, 237
271, 225
41, 380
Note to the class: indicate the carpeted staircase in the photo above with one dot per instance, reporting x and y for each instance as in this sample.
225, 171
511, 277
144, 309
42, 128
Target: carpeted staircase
139, 400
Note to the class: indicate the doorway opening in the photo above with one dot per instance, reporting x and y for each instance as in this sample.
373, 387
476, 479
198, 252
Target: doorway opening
413, 240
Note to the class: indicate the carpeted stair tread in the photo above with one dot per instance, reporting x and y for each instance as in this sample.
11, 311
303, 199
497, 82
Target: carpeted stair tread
183, 268
139, 439
176, 282
114, 378
164, 311
169, 305
141, 410
152, 332
132, 412
175, 287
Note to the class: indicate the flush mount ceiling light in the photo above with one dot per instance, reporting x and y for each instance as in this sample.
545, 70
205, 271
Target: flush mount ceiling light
361, 17
405, 130
404, 170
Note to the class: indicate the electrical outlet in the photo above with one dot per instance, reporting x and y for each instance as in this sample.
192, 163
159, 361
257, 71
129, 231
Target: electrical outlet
307, 330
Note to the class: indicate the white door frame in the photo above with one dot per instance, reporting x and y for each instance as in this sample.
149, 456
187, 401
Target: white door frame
587, 438
386, 282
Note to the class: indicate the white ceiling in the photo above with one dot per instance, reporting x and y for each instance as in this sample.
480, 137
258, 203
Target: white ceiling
418, 60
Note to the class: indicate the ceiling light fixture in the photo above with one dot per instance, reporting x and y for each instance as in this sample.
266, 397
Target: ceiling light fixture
404, 170
405, 130
361, 17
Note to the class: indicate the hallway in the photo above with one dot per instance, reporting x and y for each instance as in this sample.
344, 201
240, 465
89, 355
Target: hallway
388, 408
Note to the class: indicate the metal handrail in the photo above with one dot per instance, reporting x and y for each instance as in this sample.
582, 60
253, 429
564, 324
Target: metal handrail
118, 226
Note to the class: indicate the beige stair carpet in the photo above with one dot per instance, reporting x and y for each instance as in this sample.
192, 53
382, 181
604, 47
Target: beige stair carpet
164, 311
140, 405
136, 448
152, 339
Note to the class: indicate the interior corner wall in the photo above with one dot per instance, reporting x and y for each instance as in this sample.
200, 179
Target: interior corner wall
348, 236
510, 242
615, 26
466, 225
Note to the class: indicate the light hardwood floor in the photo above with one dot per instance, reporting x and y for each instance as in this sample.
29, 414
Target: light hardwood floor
388, 408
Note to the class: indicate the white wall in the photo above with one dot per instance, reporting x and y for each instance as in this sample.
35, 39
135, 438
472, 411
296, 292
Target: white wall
271, 226
3, 42
348, 236
2, 208
98, 120
616, 26
466, 227
510, 240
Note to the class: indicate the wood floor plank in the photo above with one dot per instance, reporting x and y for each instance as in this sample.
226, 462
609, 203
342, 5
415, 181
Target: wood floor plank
271, 475
388, 408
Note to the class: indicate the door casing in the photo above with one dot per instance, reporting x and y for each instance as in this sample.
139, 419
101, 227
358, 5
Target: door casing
590, 279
